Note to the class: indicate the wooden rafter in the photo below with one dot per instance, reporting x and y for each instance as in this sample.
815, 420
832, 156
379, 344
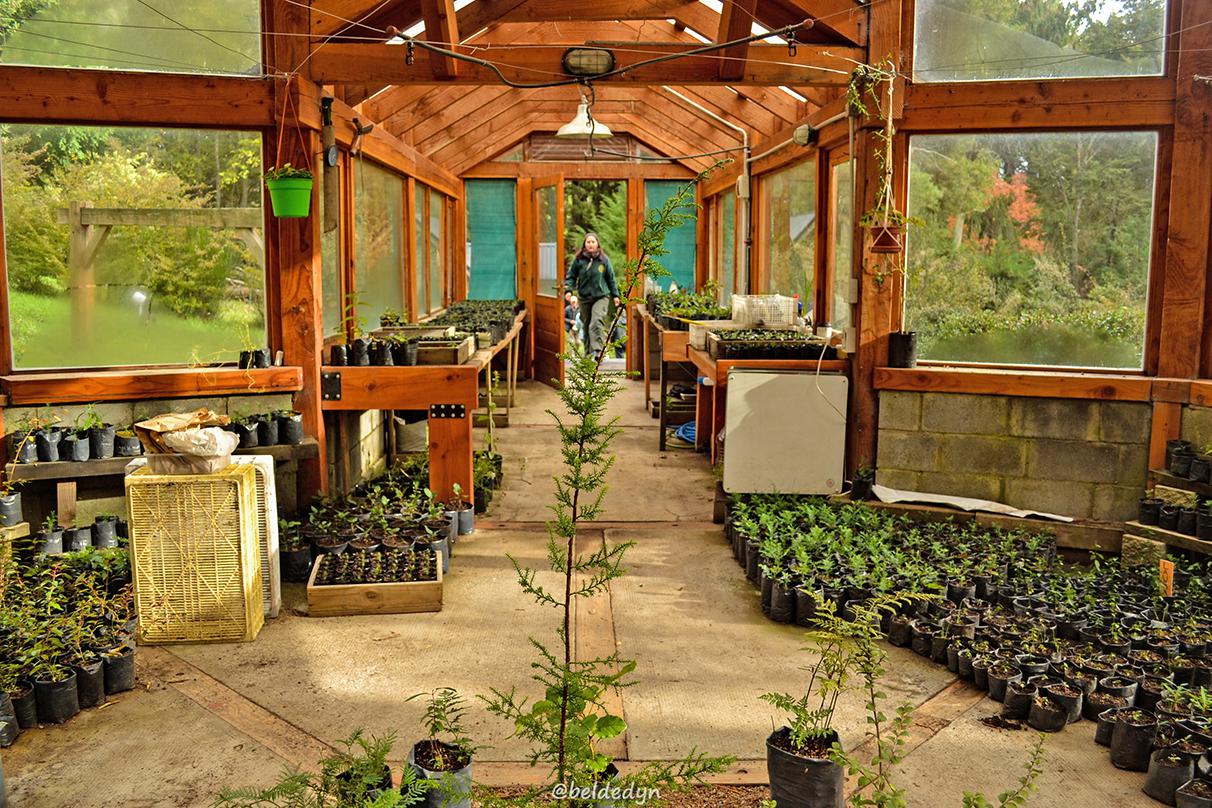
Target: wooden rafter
441, 26
844, 19
765, 65
736, 22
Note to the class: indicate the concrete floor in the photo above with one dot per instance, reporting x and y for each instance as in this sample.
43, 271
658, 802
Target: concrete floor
235, 714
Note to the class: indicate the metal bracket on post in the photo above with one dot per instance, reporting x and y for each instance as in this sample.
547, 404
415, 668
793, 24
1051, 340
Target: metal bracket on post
330, 386
447, 411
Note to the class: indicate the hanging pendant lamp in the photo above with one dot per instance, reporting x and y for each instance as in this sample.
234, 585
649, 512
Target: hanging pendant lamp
583, 125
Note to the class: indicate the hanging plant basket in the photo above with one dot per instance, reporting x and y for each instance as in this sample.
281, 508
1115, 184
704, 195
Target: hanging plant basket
290, 197
886, 239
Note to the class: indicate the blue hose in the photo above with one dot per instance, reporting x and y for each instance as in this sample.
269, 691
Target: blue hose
686, 432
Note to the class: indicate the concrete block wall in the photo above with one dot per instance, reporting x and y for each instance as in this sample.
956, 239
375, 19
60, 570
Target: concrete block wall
104, 495
1197, 426
1085, 459
365, 451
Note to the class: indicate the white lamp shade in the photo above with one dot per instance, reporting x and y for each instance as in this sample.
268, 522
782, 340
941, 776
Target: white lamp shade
582, 125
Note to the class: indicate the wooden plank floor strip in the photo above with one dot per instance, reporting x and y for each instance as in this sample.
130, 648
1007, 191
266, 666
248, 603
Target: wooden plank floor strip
284, 739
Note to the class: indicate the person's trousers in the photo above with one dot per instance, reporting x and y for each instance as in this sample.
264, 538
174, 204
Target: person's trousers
593, 321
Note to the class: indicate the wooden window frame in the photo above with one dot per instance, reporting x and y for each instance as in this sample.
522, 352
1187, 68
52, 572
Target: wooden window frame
1155, 268
835, 157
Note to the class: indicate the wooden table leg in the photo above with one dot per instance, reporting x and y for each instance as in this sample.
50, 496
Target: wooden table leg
450, 456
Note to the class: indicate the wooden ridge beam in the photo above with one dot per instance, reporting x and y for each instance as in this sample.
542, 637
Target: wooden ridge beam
736, 22
596, 170
766, 64
843, 19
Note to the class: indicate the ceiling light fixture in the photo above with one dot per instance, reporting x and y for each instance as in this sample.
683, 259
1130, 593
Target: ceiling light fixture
583, 123
588, 62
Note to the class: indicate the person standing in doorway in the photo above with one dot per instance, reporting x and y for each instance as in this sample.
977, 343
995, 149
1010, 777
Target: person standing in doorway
591, 277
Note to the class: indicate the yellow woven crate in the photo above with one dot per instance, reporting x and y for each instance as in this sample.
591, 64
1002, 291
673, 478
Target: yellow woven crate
195, 555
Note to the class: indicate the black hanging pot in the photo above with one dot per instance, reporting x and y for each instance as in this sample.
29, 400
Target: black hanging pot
902, 349
803, 782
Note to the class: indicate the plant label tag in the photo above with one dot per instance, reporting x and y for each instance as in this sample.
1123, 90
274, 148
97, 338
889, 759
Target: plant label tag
1166, 569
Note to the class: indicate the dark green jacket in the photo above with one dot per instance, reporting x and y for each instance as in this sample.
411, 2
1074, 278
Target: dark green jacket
590, 279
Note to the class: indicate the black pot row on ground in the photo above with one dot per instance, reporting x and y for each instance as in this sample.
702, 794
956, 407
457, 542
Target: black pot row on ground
56, 443
269, 429
391, 513
1053, 643
65, 636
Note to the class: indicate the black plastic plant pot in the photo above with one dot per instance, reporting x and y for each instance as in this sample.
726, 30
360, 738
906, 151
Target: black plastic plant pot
74, 448
1067, 697
1132, 740
1186, 521
249, 435
1203, 526
1148, 509
452, 789
1180, 465
1107, 720
119, 669
1120, 686
25, 705
90, 684
47, 443
1167, 771
127, 446
1032, 664
900, 633
78, 538
10, 509
290, 429
50, 543
1094, 705
1017, 704
337, 356
329, 547
57, 701
766, 587
980, 673
101, 441
902, 349
860, 489
1196, 793
805, 608
1046, 715
105, 534
267, 432
1000, 676
782, 603
1201, 468
9, 728
25, 447
1173, 447
483, 498
963, 665
1167, 518
296, 564
803, 782
359, 353
753, 560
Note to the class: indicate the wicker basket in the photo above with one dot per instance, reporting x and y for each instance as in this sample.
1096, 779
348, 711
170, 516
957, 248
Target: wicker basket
195, 555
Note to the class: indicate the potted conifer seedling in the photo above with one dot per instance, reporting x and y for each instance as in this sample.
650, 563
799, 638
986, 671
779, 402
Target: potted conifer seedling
444, 758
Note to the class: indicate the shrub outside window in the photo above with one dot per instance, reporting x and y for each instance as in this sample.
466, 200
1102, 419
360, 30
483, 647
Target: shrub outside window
378, 243
132, 246
1034, 248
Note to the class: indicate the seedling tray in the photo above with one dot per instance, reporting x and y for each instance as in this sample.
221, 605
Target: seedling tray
339, 600
445, 353
414, 331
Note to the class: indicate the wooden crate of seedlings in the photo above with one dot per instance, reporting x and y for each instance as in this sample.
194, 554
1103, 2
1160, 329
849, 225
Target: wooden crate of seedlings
405, 581
445, 351
414, 331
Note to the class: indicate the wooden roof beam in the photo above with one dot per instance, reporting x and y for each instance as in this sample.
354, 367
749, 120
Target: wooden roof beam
442, 27
846, 20
765, 65
736, 22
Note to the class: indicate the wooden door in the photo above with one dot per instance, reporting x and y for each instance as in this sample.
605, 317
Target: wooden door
548, 232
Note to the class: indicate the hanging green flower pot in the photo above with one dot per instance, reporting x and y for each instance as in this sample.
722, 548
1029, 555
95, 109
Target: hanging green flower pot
289, 191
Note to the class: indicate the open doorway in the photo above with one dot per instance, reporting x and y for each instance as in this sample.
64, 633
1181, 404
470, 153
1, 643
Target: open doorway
599, 207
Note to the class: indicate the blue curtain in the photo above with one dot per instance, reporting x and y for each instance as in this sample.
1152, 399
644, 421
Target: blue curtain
492, 239
681, 240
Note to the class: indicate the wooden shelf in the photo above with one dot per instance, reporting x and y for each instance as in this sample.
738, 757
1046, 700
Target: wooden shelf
1162, 477
68, 387
115, 466
992, 381
1169, 537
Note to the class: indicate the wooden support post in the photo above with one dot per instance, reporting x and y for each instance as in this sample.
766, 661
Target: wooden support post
84, 240
450, 455
736, 22
442, 28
